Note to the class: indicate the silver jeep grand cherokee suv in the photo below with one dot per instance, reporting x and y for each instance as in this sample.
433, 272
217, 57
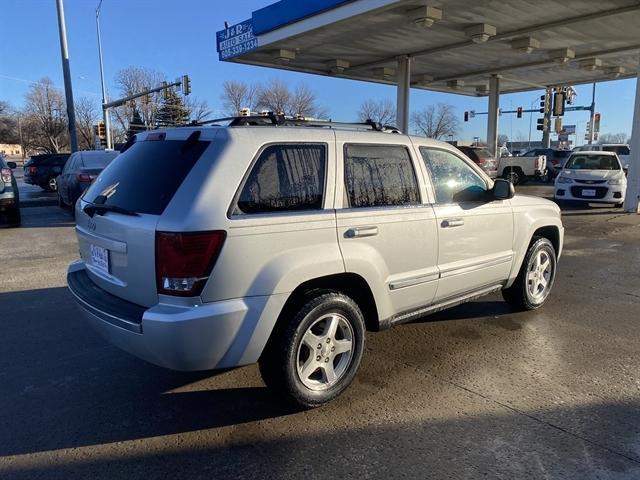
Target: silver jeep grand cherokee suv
279, 243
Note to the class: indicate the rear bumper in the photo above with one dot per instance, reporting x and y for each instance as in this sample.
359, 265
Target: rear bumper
183, 336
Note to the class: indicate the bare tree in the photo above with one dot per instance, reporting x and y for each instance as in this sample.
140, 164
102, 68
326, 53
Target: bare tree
238, 95
45, 106
381, 111
435, 121
8, 124
198, 109
132, 80
275, 96
86, 116
303, 102
613, 138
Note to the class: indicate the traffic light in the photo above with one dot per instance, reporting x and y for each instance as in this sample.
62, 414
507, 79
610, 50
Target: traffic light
186, 85
545, 103
596, 122
542, 124
558, 104
466, 116
102, 130
519, 112
558, 125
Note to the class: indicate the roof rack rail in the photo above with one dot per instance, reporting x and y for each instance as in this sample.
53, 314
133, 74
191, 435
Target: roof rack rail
278, 119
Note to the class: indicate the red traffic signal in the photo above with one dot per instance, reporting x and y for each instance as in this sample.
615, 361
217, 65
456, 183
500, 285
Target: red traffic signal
519, 112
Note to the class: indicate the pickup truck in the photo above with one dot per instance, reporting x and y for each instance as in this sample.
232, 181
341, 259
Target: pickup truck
519, 169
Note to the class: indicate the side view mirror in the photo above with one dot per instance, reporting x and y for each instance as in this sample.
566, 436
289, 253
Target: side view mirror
503, 189
12, 165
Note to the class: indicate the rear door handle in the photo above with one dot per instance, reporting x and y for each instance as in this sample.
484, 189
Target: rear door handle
452, 222
359, 232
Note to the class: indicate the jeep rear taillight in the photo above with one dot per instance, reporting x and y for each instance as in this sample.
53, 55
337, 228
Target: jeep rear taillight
184, 260
5, 174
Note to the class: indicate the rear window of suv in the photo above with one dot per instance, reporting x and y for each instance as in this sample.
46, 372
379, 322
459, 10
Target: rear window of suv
145, 177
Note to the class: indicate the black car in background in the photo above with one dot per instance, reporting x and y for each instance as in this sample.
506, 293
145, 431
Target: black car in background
9, 198
43, 170
81, 169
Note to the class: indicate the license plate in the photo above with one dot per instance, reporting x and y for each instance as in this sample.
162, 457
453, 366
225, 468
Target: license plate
100, 258
588, 193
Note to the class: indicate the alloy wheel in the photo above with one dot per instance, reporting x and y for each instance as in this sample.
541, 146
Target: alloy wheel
325, 352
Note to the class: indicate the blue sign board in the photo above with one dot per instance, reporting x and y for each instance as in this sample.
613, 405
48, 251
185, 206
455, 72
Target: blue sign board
236, 40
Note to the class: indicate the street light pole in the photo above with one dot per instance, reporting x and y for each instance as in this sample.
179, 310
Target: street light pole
68, 91
105, 111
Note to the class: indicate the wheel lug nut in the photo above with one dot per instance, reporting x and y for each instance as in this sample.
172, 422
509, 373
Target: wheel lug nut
328, 340
319, 345
318, 358
326, 360
333, 349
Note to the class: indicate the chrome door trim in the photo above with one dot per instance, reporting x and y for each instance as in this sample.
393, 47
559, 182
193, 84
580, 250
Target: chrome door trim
411, 281
477, 265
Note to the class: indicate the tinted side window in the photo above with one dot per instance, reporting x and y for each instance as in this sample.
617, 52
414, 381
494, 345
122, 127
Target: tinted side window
453, 180
285, 177
379, 175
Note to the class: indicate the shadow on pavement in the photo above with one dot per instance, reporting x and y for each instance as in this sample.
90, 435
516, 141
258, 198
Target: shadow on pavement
502, 445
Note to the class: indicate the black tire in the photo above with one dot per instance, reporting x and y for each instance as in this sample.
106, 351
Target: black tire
51, 185
512, 175
518, 295
61, 203
279, 361
15, 218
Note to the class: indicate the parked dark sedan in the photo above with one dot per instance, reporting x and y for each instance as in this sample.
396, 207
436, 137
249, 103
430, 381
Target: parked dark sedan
43, 170
9, 198
81, 169
482, 157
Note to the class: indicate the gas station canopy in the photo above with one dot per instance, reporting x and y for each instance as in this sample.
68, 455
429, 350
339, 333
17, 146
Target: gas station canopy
454, 45
481, 47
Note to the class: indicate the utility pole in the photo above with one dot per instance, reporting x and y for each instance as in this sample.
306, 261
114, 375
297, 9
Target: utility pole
593, 113
68, 91
105, 112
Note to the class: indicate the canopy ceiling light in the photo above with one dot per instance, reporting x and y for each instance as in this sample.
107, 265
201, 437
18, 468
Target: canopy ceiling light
425, 16
615, 72
423, 80
482, 88
590, 64
480, 33
563, 55
525, 44
337, 65
455, 84
283, 56
384, 72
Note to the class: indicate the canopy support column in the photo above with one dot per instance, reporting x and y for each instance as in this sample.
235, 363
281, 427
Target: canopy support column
494, 108
633, 179
404, 90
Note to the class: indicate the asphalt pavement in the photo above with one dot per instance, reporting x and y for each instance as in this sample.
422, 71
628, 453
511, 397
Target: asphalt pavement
33, 195
473, 392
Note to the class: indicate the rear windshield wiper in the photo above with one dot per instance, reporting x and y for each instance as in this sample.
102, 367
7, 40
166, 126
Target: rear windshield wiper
99, 208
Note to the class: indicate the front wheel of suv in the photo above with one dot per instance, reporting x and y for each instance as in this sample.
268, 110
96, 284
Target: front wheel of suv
535, 279
315, 356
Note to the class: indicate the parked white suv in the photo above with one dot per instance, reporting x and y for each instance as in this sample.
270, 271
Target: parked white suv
215, 247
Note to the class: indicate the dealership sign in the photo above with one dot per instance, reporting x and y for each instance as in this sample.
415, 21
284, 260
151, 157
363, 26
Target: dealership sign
236, 40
